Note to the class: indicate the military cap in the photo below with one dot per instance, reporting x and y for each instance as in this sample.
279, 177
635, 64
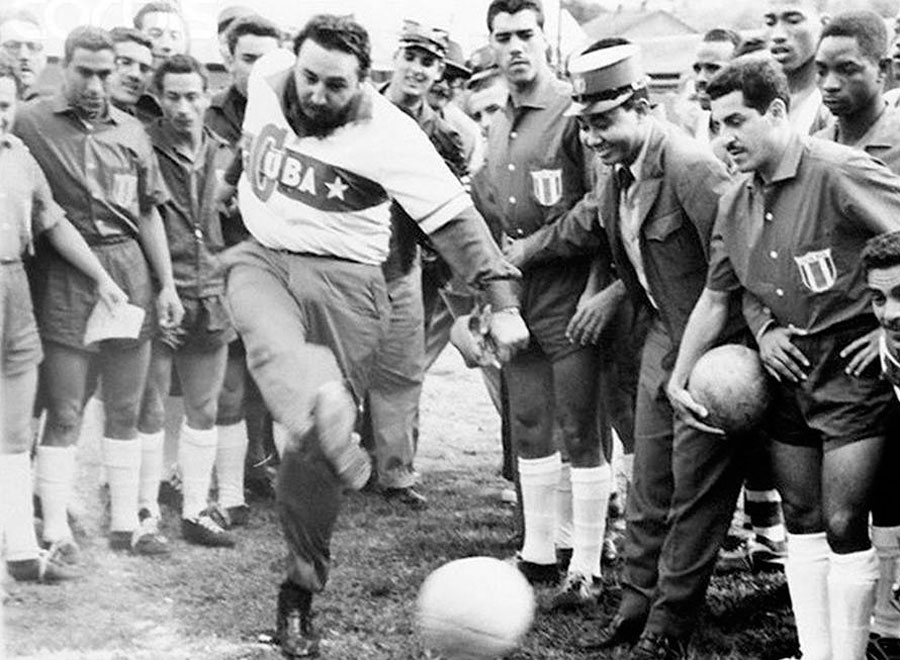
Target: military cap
604, 79
435, 40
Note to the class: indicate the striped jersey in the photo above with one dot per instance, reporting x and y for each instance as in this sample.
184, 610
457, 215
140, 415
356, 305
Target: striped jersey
331, 195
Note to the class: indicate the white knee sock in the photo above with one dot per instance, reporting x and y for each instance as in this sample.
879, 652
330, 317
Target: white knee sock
151, 471
55, 475
123, 469
590, 500
851, 594
16, 507
196, 457
886, 619
538, 478
230, 454
626, 466
563, 537
806, 570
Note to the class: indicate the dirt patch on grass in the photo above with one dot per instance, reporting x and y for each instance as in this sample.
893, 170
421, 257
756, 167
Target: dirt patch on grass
210, 604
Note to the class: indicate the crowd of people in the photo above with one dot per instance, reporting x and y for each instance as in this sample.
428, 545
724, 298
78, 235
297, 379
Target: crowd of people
290, 254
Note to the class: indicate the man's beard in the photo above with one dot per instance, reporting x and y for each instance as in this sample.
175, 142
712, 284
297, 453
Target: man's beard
321, 121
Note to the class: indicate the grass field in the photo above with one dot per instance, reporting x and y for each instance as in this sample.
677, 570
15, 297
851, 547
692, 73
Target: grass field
202, 604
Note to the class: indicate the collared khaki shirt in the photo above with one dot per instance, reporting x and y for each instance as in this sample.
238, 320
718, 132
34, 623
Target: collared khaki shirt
794, 242
102, 173
26, 204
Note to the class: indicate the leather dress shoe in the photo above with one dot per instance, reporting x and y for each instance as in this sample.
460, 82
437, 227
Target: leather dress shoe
408, 496
619, 630
659, 647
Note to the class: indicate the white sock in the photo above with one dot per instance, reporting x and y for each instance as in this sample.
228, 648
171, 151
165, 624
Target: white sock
538, 478
55, 476
851, 594
16, 507
281, 437
230, 454
563, 538
886, 619
590, 500
806, 570
123, 468
151, 471
196, 457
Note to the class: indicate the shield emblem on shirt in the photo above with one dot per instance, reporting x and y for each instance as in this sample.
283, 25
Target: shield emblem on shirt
124, 190
547, 185
817, 270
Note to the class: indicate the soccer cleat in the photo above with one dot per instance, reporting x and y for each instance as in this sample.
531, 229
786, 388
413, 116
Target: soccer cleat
147, 540
238, 516
203, 530
46, 568
576, 591
335, 416
170, 494
65, 552
293, 626
733, 558
408, 496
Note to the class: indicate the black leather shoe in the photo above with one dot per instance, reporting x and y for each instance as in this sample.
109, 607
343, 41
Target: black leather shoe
408, 496
659, 647
619, 630
293, 627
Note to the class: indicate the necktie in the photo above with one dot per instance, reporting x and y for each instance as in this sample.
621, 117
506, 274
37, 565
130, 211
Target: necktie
625, 178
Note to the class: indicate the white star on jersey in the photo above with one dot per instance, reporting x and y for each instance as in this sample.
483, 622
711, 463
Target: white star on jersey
336, 188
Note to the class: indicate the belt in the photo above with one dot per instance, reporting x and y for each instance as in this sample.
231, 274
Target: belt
10, 261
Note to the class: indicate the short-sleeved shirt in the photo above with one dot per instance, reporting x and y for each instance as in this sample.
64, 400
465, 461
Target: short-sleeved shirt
331, 195
26, 203
190, 215
103, 174
881, 141
536, 167
890, 366
794, 242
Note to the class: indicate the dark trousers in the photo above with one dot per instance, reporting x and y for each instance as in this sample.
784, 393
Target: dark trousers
679, 504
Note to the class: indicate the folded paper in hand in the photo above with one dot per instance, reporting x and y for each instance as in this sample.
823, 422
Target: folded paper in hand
123, 322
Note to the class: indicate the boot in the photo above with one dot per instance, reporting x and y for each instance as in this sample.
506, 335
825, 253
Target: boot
293, 626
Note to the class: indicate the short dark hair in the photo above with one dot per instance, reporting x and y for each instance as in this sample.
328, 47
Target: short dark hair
341, 33
760, 80
750, 45
606, 42
514, 7
179, 64
88, 37
122, 34
866, 27
158, 6
723, 35
882, 251
9, 69
255, 25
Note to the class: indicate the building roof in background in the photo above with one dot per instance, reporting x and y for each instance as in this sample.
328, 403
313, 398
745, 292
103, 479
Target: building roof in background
636, 25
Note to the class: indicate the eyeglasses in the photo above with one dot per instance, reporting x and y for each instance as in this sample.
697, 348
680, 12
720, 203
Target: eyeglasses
17, 46
123, 62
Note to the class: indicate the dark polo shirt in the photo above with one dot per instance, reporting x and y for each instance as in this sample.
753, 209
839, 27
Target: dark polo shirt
103, 174
882, 140
794, 242
190, 215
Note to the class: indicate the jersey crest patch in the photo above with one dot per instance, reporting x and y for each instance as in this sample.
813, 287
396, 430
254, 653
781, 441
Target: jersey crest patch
817, 270
547, 186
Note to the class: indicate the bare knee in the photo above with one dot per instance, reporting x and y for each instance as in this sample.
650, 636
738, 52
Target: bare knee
63, 423
802, 517
847, 530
